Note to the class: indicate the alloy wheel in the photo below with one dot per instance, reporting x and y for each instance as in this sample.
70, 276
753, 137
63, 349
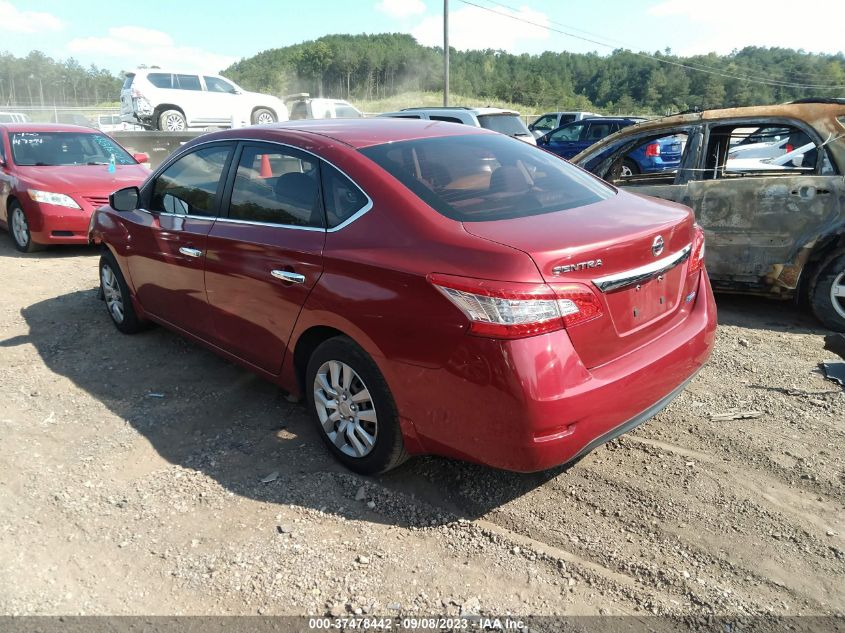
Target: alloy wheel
265, 118
174, 123
20, 228
345, 408
626, 171
112, 293
837, 294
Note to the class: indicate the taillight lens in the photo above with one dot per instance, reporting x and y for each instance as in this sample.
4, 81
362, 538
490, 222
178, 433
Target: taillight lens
652, 150
697, 255
511, 310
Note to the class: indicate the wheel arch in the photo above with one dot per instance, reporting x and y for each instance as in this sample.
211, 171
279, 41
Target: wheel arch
263, 107
160, 108
825, 248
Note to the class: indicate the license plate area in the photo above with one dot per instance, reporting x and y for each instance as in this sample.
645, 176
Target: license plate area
640, 305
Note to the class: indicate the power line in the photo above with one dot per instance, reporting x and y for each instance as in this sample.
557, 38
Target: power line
710, 71
627, 45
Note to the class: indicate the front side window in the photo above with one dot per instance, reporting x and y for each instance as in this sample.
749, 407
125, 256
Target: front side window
277, 186
189, 186
568, 133
545, 123
343, 197
46, 149
215, 84
187, 82
478, 178
598, 131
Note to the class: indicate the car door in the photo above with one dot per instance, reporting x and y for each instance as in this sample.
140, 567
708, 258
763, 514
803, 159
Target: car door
265, 253
222, 100
565, 140
192, 99
166, 255
758, 213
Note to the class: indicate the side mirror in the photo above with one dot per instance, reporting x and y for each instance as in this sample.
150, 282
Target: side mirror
125, 199
543, 140
141, 157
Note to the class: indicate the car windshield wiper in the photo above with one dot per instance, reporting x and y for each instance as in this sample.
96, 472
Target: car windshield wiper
93, 162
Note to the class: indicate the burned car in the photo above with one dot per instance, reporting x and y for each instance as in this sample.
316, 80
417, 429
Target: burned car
774, 223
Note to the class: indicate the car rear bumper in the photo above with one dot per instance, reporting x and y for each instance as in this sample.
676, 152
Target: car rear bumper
530, 404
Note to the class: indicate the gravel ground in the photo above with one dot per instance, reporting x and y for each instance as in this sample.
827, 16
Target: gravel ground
145, 475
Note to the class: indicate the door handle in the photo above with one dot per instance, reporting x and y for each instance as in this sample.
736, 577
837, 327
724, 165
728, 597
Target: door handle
190, 252
286, 275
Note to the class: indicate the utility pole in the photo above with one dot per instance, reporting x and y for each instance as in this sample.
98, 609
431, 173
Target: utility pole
445, 52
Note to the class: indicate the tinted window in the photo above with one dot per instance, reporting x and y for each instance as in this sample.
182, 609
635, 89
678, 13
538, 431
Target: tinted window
546, 122
487, 177
215, 84
276, 186
161, 80
189, 186
187, 82
127, 81
343, 198
598, 131
299, 111
566, 118
447, 119
66, 148
509, 124
344, 111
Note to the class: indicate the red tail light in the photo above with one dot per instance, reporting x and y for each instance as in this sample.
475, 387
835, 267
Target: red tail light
697, 255
789, 147
652, 150
500, 309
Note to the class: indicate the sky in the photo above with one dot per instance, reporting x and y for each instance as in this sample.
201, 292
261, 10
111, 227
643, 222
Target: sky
209, 35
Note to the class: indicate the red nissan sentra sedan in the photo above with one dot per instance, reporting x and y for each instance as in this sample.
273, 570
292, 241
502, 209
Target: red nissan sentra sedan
429, 287
52, 177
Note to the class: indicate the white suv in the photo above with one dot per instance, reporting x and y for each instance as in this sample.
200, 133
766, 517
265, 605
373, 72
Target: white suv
504, 121
162, 100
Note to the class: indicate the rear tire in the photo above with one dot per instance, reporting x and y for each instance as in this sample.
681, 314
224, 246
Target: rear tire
629, 168
827, 294
172, 121
352, 408
19, 229
263, 116
115, 293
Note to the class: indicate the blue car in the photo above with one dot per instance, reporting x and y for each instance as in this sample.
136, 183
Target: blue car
659, 155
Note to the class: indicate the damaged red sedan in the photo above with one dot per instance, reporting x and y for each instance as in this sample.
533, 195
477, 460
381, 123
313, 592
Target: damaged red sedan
429, 287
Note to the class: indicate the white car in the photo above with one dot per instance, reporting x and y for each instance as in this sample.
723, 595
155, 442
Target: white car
302, 106
793, 161
505, 122
174, 101
113, 123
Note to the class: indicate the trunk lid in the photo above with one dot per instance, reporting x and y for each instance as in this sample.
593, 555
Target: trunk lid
611, 244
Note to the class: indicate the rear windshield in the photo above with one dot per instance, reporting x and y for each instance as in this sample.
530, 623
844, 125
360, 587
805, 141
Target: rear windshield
478, 178
509, 124
127, 81
66, 148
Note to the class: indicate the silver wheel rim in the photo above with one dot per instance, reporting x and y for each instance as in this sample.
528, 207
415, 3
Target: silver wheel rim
345, 408
111, 291
265, 118
626, 171
837, 294
20, 229
174, 123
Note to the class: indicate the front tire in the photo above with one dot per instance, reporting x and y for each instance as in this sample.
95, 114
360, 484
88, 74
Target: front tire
629, 168
172, 121
19, 230
827, 295
263, 116
115, 293
352, 408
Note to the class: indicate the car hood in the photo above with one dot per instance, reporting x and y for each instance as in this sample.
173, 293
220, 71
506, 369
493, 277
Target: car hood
82, 178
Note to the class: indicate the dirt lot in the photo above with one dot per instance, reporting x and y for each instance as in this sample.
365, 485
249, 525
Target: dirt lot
131, 483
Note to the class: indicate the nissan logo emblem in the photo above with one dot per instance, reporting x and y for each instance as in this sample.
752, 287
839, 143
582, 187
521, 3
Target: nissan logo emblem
657, 246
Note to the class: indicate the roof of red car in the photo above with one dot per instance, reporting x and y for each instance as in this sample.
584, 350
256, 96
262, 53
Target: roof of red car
366, 132
45, 127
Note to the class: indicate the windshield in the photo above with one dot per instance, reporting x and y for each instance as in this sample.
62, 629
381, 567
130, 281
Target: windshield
487, 177
66, 148
509, 124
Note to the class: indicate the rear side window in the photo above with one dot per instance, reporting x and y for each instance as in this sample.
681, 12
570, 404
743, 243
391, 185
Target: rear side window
598, 131
477, 178
127, 81
187, 82
343, 111
447, 119
161, 80
189, 186
566, 118
343, 197
276, 186
299, 111
509, 124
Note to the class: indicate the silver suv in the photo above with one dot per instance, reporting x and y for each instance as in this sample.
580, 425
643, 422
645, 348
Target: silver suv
504, 121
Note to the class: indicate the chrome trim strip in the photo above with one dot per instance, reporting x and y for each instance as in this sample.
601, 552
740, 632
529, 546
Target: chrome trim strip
176, 155
280, 226
635, 276
289, 276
